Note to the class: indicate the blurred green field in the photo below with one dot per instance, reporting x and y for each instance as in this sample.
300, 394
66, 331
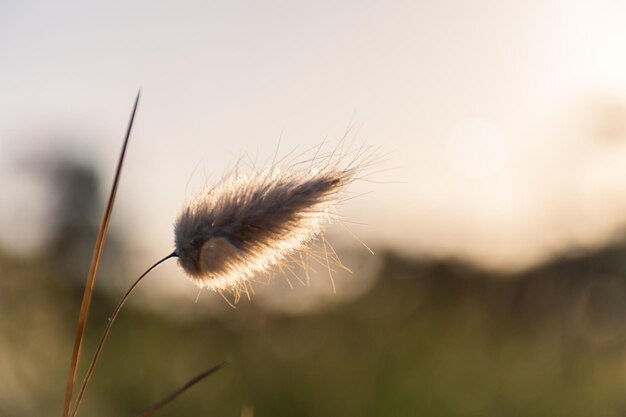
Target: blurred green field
431, 337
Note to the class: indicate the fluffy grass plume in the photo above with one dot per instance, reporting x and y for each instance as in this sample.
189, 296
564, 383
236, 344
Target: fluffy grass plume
249, 223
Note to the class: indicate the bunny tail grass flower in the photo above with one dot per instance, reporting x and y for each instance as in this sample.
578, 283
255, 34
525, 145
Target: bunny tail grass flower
247, 224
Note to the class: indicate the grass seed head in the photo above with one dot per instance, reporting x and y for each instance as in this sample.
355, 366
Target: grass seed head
247, 224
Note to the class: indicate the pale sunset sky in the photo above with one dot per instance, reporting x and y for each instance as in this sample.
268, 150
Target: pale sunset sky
502, 123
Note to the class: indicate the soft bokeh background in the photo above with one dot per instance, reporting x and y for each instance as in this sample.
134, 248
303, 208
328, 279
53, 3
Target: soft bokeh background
497, 212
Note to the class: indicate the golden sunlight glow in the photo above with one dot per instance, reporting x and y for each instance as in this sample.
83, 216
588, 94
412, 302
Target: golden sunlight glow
475, 149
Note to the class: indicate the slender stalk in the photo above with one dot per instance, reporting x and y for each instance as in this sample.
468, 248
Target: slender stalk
165, 401
93, 269
107, 330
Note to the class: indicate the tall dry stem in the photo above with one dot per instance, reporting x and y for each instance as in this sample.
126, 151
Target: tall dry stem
93, 269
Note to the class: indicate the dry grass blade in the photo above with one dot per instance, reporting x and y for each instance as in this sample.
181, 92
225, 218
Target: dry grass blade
157, 406
91, 277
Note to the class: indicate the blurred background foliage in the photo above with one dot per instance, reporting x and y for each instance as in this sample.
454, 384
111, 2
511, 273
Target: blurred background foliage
433, 337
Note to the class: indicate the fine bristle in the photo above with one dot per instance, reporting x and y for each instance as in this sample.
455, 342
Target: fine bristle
248, 224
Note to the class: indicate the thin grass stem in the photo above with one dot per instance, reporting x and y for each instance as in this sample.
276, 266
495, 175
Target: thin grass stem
93, 269
106, 332
165, 401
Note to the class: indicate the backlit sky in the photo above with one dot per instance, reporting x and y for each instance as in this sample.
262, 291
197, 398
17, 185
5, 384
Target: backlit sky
503, 122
